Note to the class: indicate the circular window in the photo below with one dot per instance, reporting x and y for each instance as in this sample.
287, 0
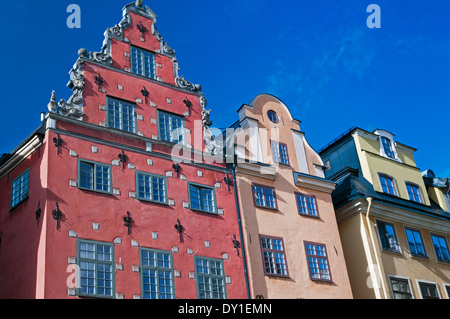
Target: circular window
272, 116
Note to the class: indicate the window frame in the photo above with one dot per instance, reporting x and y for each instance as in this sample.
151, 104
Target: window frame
253, 185
316, 215
428, 284
276, 116
278, 146
96, 261
390, 153
262, 249
94, 182
419, 192
133, 104
158, 269
153, 75
401, 279
158, 114
209, 275
202, 186
434, 248
394, 184
415, 230
166, 200
399, 250
22, 198
318, 257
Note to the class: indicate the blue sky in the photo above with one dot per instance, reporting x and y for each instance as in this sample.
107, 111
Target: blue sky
319, 57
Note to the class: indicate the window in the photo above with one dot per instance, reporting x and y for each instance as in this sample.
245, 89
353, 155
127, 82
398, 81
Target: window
400, 288
156, 274
20, 188
96, 262
387, 184
273, 117
202, 198
387, 146
151, 187
264, 196
414, 192
441, 248
171, 128
316, 254
210, 278
94, 176
280, 153
307, 205
388, 238
415, 242
143, 62
274, 259
121, 115
428, 290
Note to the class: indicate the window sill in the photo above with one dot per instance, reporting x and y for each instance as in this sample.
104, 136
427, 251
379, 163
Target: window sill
308, 215
11, 209
419, 257
216, 213
95, 191
152, 201
267, 207
395, 252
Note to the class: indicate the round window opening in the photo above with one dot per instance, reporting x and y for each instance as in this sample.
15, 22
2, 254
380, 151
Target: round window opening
272, 116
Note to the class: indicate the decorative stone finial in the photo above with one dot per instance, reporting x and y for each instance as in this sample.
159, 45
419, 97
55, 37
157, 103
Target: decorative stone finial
52, 105
82, 53
139, 3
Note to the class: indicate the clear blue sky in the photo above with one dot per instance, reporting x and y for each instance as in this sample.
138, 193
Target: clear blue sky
319, 57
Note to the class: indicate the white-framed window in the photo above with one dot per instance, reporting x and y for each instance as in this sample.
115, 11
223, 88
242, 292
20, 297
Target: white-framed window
428, 289
400, 287
210, 277
414, 192
388, 236
387, 145
388, 184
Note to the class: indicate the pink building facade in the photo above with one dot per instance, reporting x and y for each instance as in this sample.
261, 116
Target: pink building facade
113, 196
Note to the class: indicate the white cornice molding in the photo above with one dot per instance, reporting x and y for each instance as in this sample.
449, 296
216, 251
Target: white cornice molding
20, 155
313, 182
254, 169
395, 214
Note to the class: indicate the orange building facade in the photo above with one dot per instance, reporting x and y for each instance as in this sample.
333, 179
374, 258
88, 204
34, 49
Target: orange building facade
289, 226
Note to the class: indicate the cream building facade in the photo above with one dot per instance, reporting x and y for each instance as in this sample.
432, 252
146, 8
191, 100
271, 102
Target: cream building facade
394, 223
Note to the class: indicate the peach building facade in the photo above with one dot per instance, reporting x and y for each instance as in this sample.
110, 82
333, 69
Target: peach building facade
290, 232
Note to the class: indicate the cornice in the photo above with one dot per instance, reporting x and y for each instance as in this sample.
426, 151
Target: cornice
314, 182
20, 155
258, 170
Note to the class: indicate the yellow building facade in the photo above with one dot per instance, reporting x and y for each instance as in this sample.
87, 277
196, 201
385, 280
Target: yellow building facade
393, 220
290, 233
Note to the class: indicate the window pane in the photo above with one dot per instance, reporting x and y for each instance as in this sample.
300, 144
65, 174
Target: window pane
210, 279
171, 128
20, 188
96, 268
156, 275
143, 62
86, 175
121, 115
202, 198
388, 237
